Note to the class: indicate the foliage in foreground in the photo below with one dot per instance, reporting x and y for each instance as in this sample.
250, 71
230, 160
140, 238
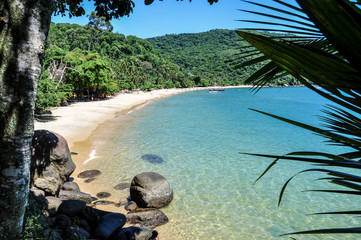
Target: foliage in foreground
327, 53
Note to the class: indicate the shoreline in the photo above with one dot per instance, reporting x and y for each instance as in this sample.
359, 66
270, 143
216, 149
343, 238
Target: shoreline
84, 124
77, 121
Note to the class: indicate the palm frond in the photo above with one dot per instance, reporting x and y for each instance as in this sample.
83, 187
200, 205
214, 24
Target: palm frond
318, 43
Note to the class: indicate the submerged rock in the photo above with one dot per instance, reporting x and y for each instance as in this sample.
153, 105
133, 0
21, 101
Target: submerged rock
103, 195
147, 217
122, 186
89, 174
152, 158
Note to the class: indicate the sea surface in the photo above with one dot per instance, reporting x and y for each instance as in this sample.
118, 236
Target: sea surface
200, 137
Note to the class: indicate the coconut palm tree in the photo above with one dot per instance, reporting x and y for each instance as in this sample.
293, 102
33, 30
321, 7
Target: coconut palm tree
318, 42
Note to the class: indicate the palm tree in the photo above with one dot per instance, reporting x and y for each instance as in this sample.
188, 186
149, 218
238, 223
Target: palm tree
318, 42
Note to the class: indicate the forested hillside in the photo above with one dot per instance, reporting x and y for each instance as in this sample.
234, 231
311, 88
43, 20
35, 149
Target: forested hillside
91, 60
211, 57
206, 55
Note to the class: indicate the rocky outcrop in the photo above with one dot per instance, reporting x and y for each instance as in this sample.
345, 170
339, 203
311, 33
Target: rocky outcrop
51, 163
74, 218
72, 213
150, 190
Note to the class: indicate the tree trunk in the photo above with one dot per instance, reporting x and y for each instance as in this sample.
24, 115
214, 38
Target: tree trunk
24, 25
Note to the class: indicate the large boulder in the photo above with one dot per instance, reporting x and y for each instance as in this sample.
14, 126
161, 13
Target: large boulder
51, 163
150, 190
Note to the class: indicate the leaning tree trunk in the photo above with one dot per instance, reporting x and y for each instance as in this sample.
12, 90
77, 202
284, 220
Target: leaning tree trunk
24, 25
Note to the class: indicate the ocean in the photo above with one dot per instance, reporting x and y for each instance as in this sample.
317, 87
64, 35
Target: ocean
201, 138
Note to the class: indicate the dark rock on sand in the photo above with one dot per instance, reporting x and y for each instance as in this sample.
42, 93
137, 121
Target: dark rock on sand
110, 224
103, 195
147, 217
149, 189
152, 158
136, 233
122, 186
89, 174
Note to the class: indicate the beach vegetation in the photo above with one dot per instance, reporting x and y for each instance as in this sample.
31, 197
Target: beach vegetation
325, 56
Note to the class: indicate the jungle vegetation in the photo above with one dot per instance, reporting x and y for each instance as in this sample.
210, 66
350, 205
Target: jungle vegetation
211, 57
91, 60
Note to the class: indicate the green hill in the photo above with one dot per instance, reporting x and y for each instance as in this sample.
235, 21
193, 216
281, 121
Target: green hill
91, 60
206, 55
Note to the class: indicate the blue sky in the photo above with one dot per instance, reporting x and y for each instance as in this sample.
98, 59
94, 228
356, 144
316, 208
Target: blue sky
171, 16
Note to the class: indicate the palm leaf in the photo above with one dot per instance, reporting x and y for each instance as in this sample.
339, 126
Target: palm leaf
336, 21
322, 47
328, 231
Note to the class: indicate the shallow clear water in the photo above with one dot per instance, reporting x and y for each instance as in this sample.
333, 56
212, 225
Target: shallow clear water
200, 136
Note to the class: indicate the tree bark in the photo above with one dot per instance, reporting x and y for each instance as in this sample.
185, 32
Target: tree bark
24, 25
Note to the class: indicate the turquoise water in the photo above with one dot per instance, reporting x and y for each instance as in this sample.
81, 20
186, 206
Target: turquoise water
200, 136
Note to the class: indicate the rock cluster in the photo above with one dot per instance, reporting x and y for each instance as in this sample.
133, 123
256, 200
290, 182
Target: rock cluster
70, 212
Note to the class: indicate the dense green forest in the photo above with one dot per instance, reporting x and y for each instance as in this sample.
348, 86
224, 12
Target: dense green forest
207, 56
92, 61
211, 57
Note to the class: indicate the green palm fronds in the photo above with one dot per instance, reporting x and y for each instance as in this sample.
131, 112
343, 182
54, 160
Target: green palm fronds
318, 42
